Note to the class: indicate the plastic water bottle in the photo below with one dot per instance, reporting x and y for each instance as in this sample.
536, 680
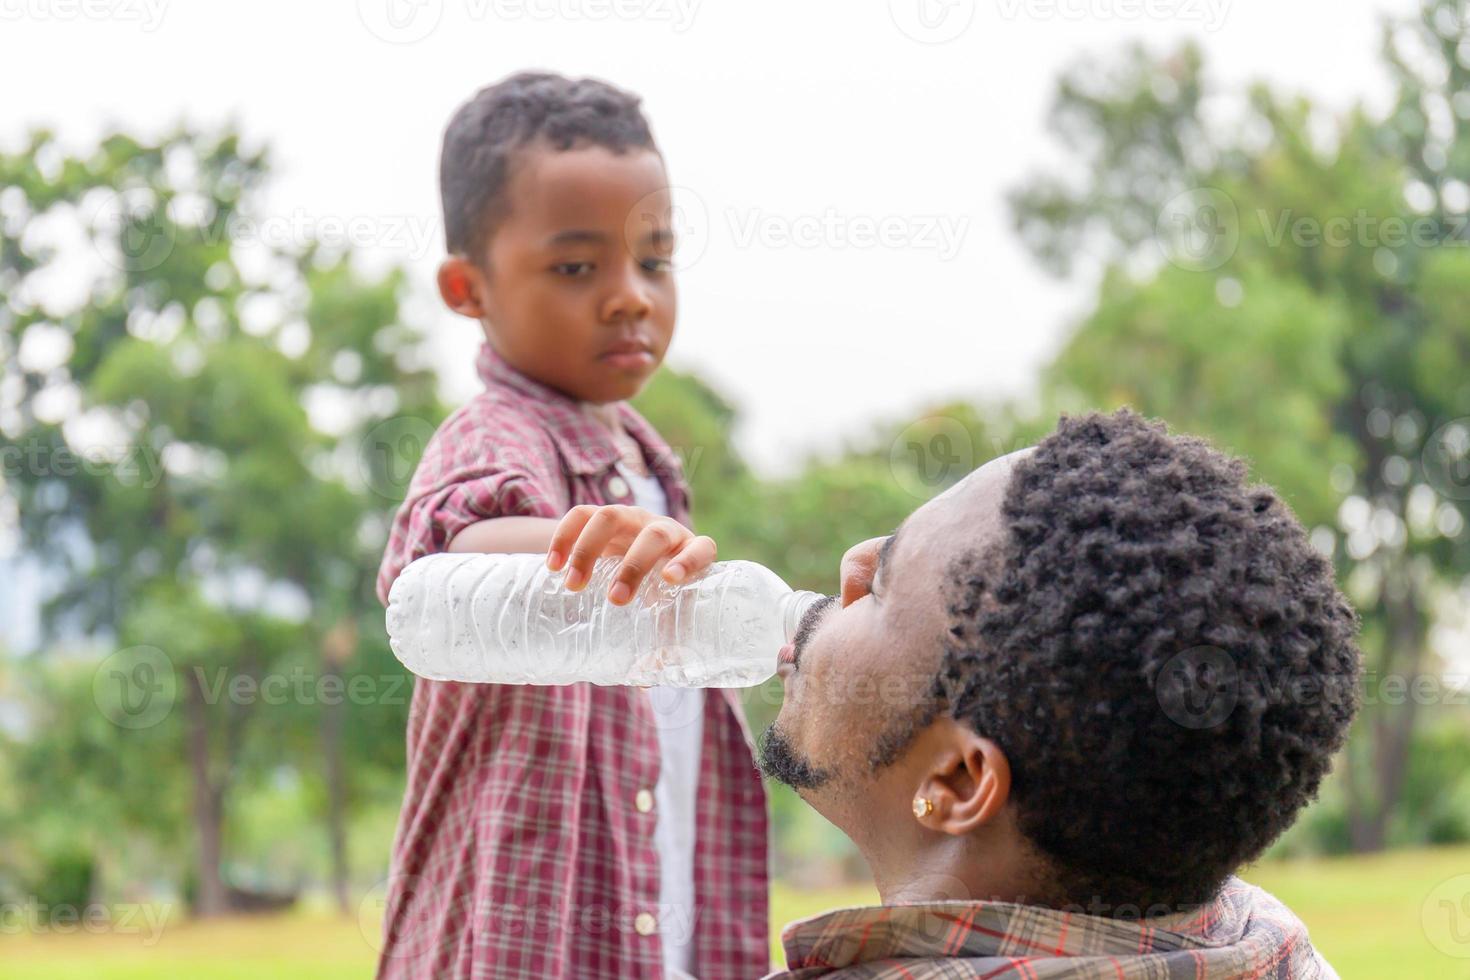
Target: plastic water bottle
507, 619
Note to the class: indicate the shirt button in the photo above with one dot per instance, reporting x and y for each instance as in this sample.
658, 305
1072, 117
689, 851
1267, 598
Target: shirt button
645, 924
617, 486
643, 801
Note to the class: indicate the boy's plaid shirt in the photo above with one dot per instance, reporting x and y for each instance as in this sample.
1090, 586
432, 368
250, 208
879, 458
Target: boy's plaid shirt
1244, 932
525, 845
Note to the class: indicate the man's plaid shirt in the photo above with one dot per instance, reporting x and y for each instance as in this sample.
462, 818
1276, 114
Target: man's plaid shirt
525, 845
1243, 933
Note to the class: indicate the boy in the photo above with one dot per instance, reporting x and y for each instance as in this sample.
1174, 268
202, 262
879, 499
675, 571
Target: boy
576, 831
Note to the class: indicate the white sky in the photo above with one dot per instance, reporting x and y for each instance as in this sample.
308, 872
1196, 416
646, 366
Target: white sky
792, 116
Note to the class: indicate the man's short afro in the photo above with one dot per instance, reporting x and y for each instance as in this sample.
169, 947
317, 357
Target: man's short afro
1162, 655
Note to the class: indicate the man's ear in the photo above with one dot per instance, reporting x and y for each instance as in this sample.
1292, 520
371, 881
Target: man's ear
463, 287
969, 783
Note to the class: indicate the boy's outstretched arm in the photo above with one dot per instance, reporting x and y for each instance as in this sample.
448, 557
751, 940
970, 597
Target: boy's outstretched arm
640, 537
506, 535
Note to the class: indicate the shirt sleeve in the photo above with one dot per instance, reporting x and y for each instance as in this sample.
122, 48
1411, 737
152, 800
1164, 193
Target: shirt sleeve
482, 463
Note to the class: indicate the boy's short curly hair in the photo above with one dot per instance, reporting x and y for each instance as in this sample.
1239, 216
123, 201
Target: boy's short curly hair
484, 134
1161, 654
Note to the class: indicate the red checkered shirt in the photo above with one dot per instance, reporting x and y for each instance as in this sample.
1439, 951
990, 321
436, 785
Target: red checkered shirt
525, 847
1244, 932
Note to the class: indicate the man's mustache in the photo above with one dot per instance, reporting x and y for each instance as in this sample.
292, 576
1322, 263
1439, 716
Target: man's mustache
808, 626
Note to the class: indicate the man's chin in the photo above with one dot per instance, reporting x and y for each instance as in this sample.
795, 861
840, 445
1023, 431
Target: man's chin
782, 761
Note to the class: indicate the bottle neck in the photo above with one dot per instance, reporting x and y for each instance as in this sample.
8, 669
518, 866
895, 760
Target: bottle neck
793, 607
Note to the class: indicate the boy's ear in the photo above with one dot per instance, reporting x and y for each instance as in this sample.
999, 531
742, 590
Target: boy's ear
463, 287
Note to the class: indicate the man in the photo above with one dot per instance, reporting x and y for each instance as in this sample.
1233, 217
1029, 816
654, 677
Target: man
1059, 707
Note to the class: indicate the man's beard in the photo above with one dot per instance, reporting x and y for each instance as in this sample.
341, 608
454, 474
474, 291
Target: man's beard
784, 762
781, 761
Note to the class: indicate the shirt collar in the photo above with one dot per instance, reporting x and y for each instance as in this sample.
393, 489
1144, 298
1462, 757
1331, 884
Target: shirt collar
964, 929
585, 444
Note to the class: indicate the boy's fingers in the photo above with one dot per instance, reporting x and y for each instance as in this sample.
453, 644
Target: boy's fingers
603, 526
696, 555
566, 533
654, 542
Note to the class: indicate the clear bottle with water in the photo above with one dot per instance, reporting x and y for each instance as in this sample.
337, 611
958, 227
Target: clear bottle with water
507, 619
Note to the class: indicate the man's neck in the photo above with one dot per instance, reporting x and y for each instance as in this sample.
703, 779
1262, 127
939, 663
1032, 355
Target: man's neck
949, 870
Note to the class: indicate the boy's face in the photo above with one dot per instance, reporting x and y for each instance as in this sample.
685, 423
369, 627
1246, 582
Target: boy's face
574, 287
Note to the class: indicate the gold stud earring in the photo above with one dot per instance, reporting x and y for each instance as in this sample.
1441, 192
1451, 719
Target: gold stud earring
922, 807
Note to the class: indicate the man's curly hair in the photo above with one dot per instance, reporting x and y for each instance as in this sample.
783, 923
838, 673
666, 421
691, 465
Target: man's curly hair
485, 133
1142, 580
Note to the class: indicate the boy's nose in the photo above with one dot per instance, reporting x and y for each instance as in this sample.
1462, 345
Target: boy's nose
857, 568
629, 300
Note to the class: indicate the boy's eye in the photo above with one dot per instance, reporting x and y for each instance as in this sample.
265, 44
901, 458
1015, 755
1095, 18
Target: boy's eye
658, 265
572, 268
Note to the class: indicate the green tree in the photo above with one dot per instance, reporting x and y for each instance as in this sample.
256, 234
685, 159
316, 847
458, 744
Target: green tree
204, 439
1296, 286
71, 820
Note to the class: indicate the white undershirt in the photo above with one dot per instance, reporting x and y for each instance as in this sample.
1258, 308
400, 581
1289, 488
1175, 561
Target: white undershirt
680, 715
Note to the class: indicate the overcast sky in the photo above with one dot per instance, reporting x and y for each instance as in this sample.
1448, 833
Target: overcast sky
841, 166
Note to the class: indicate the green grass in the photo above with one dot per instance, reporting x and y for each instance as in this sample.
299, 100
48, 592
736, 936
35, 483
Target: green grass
1365, 914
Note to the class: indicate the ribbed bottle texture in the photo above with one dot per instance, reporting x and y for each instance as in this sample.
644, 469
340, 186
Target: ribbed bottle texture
506, 619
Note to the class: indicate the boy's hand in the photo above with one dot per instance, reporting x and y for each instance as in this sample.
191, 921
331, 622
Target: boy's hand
641, 537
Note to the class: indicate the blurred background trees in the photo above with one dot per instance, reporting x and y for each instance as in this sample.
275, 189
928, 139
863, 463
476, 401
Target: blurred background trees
190, 431
1294, 285
205, 434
